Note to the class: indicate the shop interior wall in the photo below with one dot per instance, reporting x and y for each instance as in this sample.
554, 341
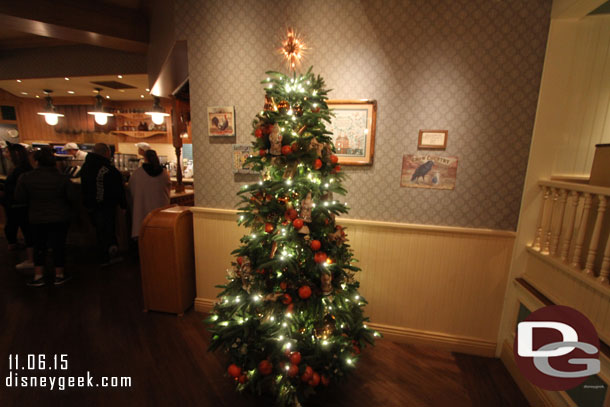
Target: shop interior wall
470, 67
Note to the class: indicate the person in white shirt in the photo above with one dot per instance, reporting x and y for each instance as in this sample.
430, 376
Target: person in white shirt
73, 150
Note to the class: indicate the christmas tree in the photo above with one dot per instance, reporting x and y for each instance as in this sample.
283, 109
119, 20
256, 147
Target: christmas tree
290, 317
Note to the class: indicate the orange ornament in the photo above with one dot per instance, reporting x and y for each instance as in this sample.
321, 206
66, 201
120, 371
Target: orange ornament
305, 292
320, 257
265, 367
317, 164
315, 245
234, 370
268, 227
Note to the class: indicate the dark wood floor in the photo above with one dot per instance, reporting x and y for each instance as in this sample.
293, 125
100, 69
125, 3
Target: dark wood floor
97, 320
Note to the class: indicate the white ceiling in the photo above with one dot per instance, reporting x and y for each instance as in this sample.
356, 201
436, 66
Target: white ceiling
81, 86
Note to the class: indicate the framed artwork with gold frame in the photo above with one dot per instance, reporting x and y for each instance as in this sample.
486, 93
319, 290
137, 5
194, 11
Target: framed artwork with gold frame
353, 128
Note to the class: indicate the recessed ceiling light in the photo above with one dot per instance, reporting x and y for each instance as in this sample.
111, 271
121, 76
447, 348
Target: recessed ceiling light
19, 80
122, 90
71, 92
24, 93
107, 97
147, 90
120, 76
66, 78
142, 96
37, 96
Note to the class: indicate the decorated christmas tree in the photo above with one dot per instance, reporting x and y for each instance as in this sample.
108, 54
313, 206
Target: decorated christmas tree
290, 318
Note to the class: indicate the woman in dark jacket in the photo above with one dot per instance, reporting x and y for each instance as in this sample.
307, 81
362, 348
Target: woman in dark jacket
17, 213
50, 197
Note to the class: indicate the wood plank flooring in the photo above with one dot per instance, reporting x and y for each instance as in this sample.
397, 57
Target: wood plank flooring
97, 320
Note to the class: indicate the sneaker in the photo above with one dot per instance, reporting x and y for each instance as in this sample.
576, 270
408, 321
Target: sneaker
39, 282
61, 280
27, 264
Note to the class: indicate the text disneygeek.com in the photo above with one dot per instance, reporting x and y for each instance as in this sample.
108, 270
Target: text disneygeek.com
22, 368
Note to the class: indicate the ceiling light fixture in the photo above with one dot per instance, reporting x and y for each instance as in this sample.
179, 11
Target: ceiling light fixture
24, 93
157, 113
71, 92
50, 112
66, 78
19, 80
100, 115
120, 76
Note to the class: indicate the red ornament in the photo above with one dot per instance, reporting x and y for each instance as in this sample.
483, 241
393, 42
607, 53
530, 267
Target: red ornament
320, 257
258, 133
307, 374
265, 367
286, 150
297, 223
293, 370
315, 109
295, 358
243, 378
294, 147
268, 227
305, 292
234, 370
315, 380
334, 159
262, 152
240, 260
337, 168
287, 299
283, 285
325, 380
291, 214
317, 164
289, 308
315, 245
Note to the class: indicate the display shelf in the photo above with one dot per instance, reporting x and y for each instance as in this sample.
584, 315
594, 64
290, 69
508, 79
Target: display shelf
138, 134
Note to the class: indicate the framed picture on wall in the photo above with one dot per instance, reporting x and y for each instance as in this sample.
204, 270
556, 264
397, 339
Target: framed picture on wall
353, 128
221, 121
432, 139
241, 152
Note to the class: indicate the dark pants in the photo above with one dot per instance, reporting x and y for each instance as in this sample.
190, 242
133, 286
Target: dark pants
52, 235
104, 221
17, 218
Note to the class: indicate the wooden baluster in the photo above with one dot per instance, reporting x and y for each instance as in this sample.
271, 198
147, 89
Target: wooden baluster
568, 236
597, 230
581, 231
536, 245
558, 222
604, 273
546, 224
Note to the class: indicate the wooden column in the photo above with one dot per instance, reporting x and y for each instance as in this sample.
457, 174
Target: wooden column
582, 230
558, 222
547, 222
537, 238
597, 229
568, 236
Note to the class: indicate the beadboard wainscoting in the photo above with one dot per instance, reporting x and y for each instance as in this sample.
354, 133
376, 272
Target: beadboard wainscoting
441, 286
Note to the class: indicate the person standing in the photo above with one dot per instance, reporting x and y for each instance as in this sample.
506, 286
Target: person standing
50, 198
76, 153
17, 213
149, 188
102, 190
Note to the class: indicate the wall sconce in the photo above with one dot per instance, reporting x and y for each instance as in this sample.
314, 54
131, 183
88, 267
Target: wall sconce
157, 113
50, 112
99, 114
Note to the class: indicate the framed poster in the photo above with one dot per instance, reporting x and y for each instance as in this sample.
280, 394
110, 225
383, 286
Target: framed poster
241, 152
428, 171
353, 129
432, 139
221, 121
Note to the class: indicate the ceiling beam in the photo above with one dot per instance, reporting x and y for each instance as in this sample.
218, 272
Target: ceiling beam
81, 22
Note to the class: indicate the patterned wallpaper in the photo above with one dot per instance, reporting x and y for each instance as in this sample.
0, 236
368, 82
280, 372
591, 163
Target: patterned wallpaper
472, 67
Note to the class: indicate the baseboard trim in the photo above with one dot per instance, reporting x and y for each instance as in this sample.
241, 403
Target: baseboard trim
451, 343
